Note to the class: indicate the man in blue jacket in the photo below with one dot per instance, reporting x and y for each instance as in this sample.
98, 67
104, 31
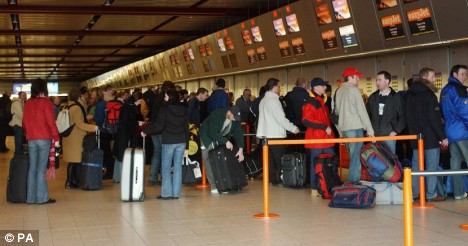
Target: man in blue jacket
454, 104
219, 97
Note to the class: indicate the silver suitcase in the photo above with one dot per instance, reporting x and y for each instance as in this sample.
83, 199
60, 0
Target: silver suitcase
132, 183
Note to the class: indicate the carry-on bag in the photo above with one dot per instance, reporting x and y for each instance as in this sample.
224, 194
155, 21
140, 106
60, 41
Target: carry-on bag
132, 183
228, 172
92, 161
351, 195
381, 163
191, 172
294, 169
387, 193
253, 163
17, 180
326, 172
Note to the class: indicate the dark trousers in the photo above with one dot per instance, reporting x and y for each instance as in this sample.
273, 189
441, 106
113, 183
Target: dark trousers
108, 162
3, 133
18, 131
274, 161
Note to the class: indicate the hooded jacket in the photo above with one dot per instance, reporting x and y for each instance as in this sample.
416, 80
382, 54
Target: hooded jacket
393, 118
172, 123
454, 105
316, 117
423, 114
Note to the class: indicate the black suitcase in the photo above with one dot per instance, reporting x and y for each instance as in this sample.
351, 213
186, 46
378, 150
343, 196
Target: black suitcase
227, 170
17, 180
294, 169
91, 166
253, 164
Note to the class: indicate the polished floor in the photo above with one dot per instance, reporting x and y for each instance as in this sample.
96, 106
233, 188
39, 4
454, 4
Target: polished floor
200, 218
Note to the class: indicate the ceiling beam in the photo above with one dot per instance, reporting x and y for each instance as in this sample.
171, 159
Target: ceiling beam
60, 62
103, 33
100, 47
95, 67
68, 56
124, 10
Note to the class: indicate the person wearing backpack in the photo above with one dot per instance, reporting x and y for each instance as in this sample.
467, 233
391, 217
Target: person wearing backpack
316, 117
73, 143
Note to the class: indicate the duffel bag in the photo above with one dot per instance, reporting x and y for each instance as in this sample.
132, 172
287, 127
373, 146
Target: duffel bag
353, 196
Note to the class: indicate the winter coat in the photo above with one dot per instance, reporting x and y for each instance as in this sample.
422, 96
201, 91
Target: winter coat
210, 130
126, 135
39, 120
393, 118
272, 122
17, 112
298, 96
351, 109
316, 117
423, 114
454, 105
218, 99
244, 107
73, 144
172, 123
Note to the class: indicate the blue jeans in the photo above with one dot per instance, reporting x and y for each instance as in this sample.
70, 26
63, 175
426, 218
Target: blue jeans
173, 155
391, 144
156, 159
458, 152
314, 153
117, 171
18, 131
354, 150
38, 159
431, 158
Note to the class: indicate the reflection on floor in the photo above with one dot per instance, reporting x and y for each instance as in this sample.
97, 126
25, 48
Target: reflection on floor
200, 218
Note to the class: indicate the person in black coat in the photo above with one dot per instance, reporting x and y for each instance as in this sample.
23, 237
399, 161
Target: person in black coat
126, 136
424, 117
298, 96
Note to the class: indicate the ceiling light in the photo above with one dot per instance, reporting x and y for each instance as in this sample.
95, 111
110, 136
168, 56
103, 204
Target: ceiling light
12, 2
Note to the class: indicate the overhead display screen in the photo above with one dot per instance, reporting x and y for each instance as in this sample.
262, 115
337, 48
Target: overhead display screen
392, 27
384, 4
348, 36
293, 24
420, 21
323, 14
329, 40
341, 9
279, 27
257, 36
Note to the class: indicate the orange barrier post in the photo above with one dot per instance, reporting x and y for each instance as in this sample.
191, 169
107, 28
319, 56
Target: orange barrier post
203, 184
407, 209
422, 182
266, 189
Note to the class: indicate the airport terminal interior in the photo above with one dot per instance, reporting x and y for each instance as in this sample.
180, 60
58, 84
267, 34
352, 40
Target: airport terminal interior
129, 44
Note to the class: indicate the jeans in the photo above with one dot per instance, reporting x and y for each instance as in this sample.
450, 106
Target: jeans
156, 159
18, 131
354, 150
117, 171
391, 144
459, 152
314, 153
431, 157
38, 158
172, 154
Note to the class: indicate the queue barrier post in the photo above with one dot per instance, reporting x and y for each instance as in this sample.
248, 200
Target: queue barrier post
407, 207
422, 181
204, 184
266, 189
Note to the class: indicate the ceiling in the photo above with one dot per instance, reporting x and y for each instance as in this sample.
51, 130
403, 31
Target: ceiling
77, 40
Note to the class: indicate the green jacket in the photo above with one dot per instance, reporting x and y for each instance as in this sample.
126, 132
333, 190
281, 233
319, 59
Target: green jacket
210, 130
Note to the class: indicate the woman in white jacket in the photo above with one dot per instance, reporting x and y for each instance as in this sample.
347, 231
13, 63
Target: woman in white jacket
273, 124
16, 121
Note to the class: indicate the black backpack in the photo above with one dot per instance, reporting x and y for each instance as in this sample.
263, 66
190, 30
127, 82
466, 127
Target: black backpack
288, 107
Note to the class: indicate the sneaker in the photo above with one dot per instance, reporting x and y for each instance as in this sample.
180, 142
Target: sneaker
461, 197
436, 199
314, 193
214, 191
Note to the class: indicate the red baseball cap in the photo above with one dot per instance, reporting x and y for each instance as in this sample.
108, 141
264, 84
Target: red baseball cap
351, 71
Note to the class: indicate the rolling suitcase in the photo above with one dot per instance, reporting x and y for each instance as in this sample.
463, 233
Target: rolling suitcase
228, 172
132, 183
253, 164
294, 169
17, 180
92, 160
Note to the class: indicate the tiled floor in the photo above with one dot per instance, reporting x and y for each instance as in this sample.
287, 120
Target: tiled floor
199, 218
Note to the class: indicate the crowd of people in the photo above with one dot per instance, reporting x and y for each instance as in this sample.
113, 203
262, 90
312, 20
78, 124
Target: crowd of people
165, 113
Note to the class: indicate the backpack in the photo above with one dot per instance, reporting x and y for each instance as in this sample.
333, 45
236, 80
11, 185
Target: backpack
381, 163
63, 120
112, 114
326, 171
288, 107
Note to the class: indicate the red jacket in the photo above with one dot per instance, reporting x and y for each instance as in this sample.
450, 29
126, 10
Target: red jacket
316, 118
39, 119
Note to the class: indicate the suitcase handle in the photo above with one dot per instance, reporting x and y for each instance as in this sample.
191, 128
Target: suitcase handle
98, 138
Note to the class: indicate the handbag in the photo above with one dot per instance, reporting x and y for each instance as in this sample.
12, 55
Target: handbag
191, 172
